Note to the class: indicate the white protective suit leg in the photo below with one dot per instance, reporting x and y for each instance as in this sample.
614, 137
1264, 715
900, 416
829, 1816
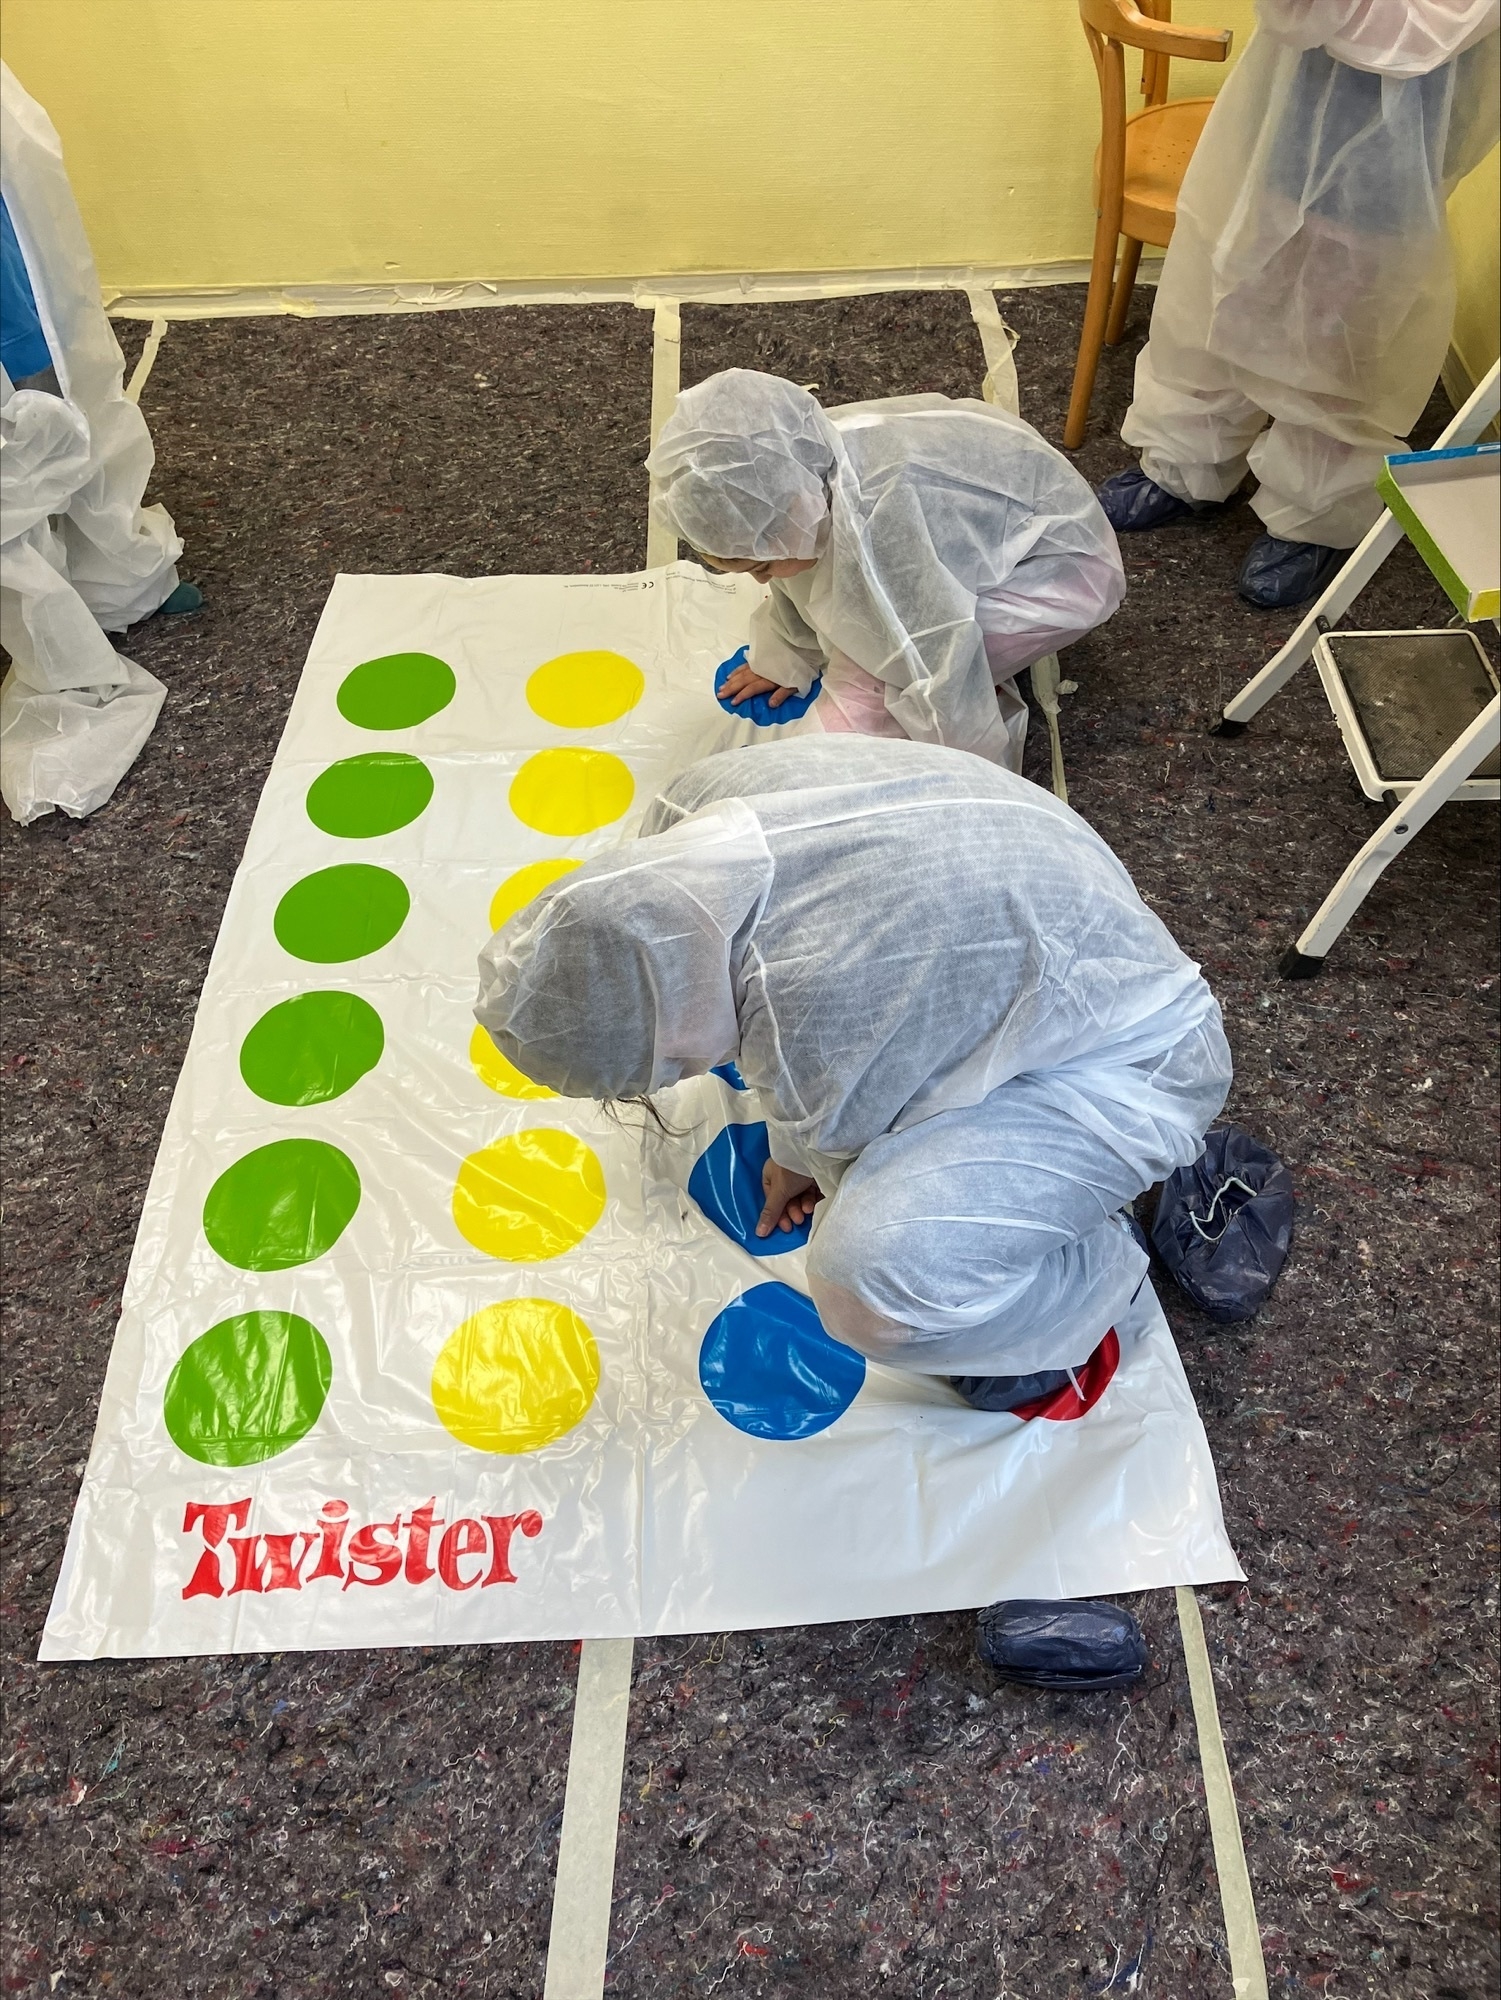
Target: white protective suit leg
989, 1241
120, 556
72, 748
80, 554
1199, 441
1309, 281
853, 703
1048, 603
1193, 427
64, 740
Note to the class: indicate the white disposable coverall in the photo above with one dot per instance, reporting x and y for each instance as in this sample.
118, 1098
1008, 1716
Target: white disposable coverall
1309, 279
960, 1018
953, 546
79, 552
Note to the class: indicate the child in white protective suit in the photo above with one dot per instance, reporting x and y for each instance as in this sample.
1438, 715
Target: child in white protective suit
972, 1042
79, 554
920, 552
1307, 298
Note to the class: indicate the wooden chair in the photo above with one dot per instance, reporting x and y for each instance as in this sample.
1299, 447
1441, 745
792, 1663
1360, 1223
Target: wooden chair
1139, 167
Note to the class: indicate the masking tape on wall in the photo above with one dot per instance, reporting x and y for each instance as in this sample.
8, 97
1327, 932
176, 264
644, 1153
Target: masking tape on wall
701, 288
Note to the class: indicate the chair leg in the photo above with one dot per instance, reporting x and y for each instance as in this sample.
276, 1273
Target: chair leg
1092, 339
1125, 285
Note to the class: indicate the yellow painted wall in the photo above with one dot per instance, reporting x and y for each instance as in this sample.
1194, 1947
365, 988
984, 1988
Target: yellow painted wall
1475, 220
267, 142
294, 142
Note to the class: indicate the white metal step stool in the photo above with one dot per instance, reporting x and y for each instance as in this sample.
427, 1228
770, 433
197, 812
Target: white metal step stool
1365, 676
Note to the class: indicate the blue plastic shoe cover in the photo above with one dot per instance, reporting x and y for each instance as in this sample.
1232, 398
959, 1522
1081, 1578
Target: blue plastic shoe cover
1070, 1646
1223, 1225
185, 598
1009, 1392
1132, 501
1277, 574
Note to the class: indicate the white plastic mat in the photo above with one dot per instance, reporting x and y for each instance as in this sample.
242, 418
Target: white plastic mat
364, 1393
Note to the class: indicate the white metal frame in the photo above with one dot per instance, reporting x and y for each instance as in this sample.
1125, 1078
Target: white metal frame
1374, 783
1452, 771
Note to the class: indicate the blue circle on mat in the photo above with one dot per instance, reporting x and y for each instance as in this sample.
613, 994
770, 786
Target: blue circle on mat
769, 1368
759, 707
731, 1075
726, 1184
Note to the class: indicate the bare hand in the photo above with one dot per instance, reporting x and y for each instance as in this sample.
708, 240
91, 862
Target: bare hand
790, 1198
743, 683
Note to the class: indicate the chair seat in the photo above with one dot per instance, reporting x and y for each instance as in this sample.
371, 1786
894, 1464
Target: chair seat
1159, 145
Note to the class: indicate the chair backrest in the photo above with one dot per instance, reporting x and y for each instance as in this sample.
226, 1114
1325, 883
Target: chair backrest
1113, 26
1150, 28
1154, 65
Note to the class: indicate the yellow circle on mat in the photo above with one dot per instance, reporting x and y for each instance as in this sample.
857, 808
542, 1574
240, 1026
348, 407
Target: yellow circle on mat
498, 1072
518, 890
516, 1376
529, 1197
571, 791
584, 690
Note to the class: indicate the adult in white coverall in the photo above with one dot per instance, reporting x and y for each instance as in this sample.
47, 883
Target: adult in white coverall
80, 556
1307, 298
973, 1043
920, 552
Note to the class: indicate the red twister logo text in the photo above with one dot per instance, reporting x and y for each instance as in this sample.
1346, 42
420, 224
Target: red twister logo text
417, 1548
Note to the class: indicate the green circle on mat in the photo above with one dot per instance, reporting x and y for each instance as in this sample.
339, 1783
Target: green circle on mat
248, 1388
397, 691
343, 912
307, 1050
376, 793
281, 1205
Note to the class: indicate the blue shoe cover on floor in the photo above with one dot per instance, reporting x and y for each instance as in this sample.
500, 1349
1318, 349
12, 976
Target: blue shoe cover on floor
1223, 1225
1009, 1392
185, 598
1132, 501
1069, 1646
1278, 574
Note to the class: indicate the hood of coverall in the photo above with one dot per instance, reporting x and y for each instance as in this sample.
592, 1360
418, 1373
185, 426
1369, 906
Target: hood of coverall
621, 978
744, 469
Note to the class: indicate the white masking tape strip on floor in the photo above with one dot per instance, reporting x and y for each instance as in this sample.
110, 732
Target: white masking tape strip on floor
997, 340
703, 288
578, 1943
583, 1891
666, 365
1242, 1933
147, 361
1001, 388
1047, 685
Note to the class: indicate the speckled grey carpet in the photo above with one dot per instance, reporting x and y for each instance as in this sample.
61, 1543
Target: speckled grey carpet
841, 1810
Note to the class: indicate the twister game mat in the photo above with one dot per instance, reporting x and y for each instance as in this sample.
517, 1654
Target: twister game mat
412, 1351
